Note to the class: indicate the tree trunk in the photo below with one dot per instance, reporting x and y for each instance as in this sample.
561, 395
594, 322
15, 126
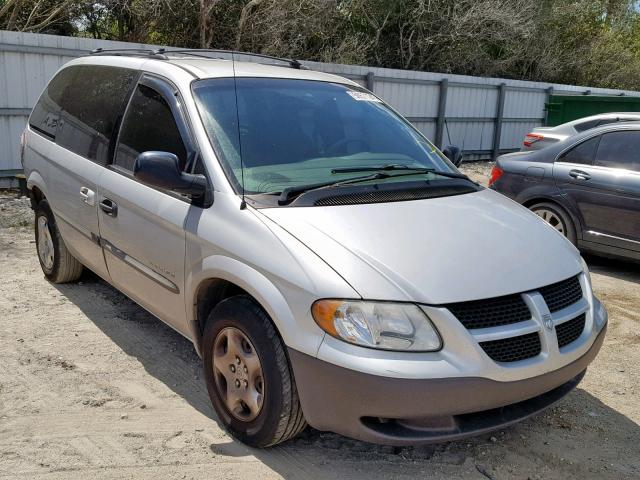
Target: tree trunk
244, 14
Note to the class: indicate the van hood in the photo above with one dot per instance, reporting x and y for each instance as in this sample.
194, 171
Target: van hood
434, 251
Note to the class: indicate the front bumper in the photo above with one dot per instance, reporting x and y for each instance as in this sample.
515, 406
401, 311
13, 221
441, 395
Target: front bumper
400, 411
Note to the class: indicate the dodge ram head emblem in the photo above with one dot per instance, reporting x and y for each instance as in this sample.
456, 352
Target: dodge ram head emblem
547, 321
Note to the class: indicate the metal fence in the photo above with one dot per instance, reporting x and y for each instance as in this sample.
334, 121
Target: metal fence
484, 116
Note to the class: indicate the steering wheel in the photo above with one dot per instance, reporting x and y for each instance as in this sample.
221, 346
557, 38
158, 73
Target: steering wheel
344, 142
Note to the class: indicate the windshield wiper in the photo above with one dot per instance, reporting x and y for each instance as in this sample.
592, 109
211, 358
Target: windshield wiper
289, 193
396, 167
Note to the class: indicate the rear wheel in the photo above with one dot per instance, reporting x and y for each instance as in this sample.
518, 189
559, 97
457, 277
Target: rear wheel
248, 375
58, 265
557, 217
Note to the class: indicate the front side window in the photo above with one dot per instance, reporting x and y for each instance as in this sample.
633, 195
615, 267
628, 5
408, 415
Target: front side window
288, 133
619, 150
91, 103
148, 125
584, 153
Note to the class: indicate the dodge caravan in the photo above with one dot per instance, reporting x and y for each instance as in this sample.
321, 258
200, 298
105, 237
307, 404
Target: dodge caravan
331, 266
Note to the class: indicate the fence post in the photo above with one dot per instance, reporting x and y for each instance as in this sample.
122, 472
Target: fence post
370, 81
546, 106
497, 129
442, 108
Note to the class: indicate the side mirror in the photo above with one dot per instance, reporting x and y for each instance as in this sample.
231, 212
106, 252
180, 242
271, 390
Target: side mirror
454, 154
162, 169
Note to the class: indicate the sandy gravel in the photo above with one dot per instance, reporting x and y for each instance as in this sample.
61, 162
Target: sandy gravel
92, 386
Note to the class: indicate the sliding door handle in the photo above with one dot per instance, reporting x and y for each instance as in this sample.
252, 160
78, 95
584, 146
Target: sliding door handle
88, 196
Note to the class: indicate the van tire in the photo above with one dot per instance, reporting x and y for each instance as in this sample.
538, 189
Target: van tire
280, 417
560, 214
64, 267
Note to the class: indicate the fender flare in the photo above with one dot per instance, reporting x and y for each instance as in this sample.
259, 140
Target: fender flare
35, 180
255, 284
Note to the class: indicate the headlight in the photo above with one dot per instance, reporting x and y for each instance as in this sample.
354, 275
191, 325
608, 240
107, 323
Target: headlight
382, 325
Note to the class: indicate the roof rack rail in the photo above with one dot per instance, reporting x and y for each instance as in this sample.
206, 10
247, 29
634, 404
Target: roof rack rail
293, 63
134, 52
163, 53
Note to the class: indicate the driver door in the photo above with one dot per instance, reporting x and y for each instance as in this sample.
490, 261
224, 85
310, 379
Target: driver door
142, 227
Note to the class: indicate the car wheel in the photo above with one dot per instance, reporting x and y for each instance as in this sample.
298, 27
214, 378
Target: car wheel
557, 217
248, 375
58, 265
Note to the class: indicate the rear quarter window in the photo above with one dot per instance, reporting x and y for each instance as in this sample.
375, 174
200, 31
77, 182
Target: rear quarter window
46, 114
91, 99
583, 153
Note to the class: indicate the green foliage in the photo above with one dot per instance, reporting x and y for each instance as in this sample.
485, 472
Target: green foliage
590, 42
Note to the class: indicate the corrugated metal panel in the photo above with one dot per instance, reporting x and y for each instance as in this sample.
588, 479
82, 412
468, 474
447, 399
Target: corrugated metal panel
513, 133
428, 129
410, 99
29, 60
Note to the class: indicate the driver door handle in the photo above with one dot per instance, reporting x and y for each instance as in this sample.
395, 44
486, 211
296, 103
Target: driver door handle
579, 175
109, 207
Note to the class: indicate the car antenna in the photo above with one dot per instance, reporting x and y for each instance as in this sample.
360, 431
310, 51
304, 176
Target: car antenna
243, 203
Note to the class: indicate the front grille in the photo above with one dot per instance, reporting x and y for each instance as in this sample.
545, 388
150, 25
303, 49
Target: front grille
491, 312
568, 332
514, 348
562, 294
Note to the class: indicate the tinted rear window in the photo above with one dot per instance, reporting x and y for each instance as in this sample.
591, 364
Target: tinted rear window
90, 101
46, 113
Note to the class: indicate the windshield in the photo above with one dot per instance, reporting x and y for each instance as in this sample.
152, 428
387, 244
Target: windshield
291, 133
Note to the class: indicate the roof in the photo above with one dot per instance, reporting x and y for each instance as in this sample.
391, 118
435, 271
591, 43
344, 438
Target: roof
212, 68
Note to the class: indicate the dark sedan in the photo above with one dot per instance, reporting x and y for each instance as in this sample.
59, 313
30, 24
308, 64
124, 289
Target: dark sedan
587, 187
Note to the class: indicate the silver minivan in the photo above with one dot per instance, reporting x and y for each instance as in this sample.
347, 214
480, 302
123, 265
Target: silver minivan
330, 265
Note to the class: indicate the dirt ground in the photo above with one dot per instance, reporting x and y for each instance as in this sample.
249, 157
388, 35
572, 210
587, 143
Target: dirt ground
92, 386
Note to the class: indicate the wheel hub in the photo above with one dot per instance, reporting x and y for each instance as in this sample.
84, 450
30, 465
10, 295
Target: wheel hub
45, 243
238, 374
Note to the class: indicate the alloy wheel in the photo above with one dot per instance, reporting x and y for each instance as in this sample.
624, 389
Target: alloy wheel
552, 219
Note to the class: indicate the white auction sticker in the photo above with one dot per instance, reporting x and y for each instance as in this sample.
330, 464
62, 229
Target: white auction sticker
363, 96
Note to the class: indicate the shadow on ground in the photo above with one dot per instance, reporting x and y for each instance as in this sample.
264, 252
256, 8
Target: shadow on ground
544, 443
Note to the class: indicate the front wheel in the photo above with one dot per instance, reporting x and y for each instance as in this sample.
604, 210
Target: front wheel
58, 265
248, 375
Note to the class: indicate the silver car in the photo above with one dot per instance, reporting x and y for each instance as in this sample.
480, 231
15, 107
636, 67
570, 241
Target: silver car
329, 264
542, 137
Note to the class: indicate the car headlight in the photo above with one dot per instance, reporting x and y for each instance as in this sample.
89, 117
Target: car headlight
382, 325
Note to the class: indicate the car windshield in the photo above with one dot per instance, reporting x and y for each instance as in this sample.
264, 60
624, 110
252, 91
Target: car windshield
290, 133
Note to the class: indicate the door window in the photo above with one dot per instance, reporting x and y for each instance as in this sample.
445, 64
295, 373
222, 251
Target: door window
583, 153
620, 150
91, 101
148, 125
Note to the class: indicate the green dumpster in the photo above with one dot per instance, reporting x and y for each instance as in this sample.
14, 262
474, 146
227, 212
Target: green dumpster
564, 108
